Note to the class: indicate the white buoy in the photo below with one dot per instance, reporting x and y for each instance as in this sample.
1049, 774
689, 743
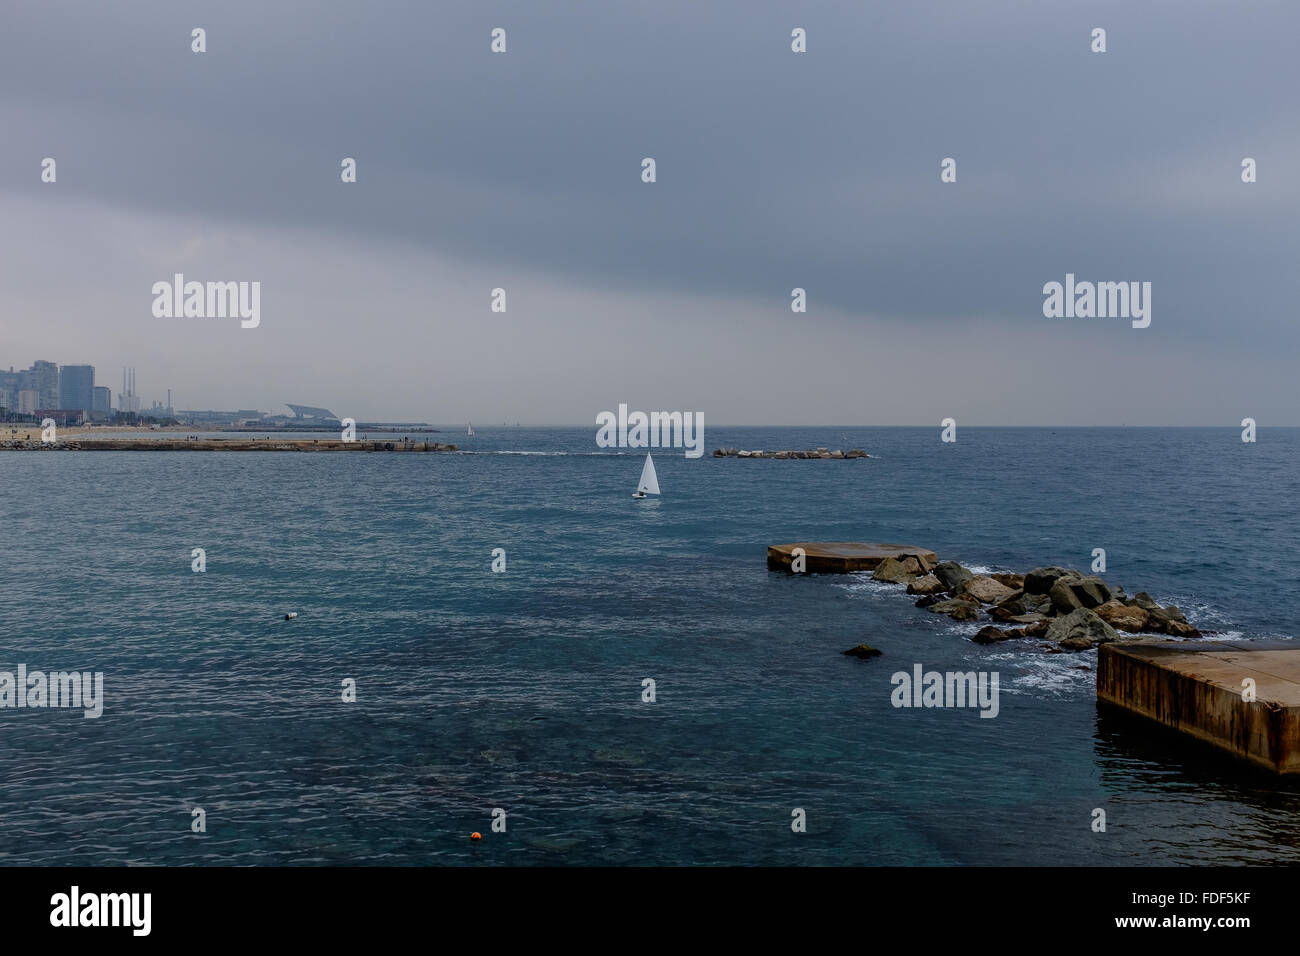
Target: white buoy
291, 615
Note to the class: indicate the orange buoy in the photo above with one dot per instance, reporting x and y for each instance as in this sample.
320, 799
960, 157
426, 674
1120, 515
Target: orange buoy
476, 835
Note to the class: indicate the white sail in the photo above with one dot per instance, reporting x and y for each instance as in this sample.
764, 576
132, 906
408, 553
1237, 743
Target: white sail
471, 428
649, 483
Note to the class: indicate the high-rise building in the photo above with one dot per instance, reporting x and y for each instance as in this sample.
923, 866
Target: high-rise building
77, 387
10, 383
43, 378
103, 400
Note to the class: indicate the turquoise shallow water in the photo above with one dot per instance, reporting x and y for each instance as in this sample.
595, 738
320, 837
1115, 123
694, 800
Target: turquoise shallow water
522, 690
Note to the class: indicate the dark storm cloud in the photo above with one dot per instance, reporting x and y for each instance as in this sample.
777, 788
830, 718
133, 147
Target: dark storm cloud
775, 170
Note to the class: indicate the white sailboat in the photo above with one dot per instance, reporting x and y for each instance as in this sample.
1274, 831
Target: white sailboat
649, 483
471, 430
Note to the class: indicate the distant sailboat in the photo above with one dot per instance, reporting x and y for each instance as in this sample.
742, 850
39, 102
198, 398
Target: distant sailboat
649, 483
471, 430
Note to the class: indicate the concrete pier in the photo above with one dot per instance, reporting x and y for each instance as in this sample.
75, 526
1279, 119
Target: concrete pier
840, 557
1198, 689
223, 444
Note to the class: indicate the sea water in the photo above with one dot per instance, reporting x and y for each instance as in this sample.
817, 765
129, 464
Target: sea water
522, 690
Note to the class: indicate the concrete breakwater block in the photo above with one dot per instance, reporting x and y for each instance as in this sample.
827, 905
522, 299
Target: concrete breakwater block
840, 557
1242, 698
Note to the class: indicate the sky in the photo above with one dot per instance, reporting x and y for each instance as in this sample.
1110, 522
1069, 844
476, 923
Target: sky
775, 170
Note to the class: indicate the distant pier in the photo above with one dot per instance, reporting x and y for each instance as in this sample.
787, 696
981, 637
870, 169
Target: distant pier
226, 444
1242, 698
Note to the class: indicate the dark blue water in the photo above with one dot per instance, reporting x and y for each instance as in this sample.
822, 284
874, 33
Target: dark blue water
522, 690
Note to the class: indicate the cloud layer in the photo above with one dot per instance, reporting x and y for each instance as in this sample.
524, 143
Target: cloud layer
775, 170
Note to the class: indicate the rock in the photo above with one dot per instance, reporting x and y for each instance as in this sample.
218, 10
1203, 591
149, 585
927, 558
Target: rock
1000, 612
1033, 617
1169, 613
1040, 580
1181, 629
1038, 628
1160, 619
897, 570
927, 584
985, 590
952, 574
1014, 581
930, 599
1072, 590
1037, 603
1064, 600
922, 561
1015, 632
1080, 630
1018, 602
989, 635
1144, 601
863, 651
956, 608
1093, 592
1122, 617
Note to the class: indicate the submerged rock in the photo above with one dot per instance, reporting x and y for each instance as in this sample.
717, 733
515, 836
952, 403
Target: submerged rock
863, 651
990, 635
1033, 617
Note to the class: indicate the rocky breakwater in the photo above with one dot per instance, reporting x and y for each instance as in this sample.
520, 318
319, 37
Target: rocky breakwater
1067, 610
815, 453
226, 444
